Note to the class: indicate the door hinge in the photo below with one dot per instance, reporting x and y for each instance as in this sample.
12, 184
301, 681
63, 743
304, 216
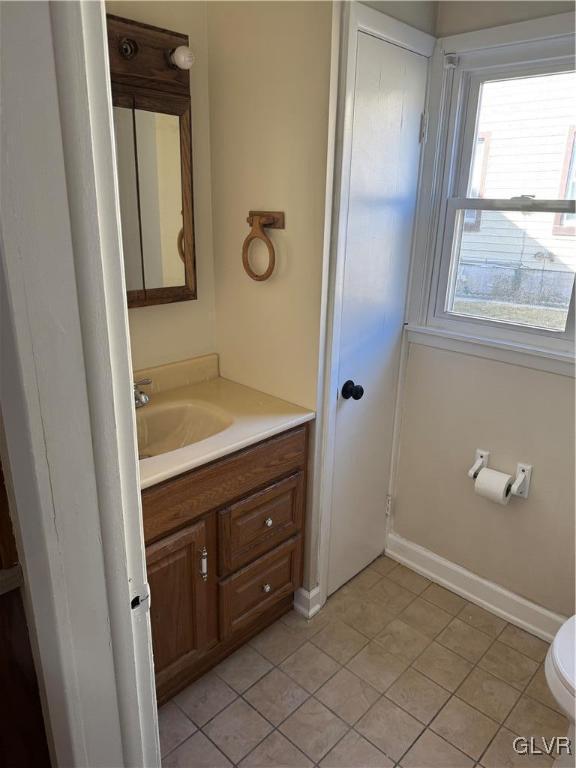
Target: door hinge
140, 602
388, 505
423, 127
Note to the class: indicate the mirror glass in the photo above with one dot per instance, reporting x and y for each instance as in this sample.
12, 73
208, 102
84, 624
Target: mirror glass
128, 190
150, 186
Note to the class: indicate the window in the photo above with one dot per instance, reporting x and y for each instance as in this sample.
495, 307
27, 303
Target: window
506, 253
565, 223
473, 219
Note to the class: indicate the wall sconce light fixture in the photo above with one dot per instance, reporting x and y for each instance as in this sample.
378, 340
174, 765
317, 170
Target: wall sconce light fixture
182, 57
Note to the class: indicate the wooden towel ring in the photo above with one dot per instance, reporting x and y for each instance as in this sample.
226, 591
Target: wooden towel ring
258, 220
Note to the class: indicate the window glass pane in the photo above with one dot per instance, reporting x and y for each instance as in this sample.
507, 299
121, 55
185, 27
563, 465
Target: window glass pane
512, 267
525, 138
569, 219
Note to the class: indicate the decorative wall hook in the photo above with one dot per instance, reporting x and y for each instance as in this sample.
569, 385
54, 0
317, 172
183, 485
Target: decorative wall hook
258, 220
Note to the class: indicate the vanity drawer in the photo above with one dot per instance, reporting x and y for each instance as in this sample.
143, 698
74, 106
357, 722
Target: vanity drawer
255, 525
170, 505
253, 590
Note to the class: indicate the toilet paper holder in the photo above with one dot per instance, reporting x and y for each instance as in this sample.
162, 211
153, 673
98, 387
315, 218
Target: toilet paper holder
521, 484
480, 462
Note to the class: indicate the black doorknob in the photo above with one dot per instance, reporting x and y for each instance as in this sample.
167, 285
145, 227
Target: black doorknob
351, 390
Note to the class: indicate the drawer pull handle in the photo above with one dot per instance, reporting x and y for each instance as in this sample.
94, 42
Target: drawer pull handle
266, 588
204, 564
268, 522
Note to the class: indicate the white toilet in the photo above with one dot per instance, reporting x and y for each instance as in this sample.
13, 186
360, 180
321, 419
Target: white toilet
561, 678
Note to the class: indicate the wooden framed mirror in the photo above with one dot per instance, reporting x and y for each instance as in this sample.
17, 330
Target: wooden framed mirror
153, 134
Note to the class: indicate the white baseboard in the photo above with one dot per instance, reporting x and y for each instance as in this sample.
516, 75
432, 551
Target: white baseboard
515, 609
307, 603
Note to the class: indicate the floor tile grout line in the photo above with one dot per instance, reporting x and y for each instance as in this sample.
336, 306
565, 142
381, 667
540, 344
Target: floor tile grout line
501, 725
452, 694
342, 666
286, 736
382, 695
370, 638
351, 657
474, 665
459, 614
218, 748
163, 757
454, 650
317, 762
349, 727
455, 692
277, 727
496, 723
197, 731
424, 728
440, 737
250, 750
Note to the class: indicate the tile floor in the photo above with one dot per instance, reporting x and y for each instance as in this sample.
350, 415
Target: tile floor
394, 671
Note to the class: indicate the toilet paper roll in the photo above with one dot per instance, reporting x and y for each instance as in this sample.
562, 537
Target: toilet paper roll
494, 485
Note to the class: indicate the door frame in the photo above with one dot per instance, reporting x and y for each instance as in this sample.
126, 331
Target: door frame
66, 373
356, 18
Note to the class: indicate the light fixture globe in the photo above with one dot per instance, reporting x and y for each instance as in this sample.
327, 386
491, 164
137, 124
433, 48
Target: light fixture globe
182, 57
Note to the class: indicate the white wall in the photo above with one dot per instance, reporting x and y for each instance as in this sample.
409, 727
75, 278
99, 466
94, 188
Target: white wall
269, 91
418, 13
455, 403
264, 114
169, 332
455, 16
268, 78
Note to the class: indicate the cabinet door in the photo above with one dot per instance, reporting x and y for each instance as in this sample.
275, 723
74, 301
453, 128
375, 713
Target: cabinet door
183, 611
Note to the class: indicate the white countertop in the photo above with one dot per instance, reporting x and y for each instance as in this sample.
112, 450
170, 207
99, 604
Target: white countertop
256, 416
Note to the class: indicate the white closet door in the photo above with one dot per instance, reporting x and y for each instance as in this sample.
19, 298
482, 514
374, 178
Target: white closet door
388, 103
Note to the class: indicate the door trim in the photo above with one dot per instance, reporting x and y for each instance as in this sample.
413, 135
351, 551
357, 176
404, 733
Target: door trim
356, 18
66, 389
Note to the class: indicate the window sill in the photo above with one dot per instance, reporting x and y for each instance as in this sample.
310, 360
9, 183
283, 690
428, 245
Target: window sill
561, 363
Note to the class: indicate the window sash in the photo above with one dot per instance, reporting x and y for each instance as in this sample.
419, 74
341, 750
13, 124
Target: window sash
526, 204
463, 102
449, 264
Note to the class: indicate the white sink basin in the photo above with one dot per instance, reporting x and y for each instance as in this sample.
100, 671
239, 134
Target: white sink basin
164, 427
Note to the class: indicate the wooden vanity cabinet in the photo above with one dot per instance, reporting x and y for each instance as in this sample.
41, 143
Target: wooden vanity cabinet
247, 595
183, 597
254, 525
224, 554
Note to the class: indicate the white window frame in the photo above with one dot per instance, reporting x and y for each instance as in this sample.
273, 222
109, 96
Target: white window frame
461, 64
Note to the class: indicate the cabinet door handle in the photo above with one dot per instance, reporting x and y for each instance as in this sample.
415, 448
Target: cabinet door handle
268, 522
266, 588
204, 564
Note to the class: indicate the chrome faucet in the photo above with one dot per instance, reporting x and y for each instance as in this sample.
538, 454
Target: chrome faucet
141, 398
